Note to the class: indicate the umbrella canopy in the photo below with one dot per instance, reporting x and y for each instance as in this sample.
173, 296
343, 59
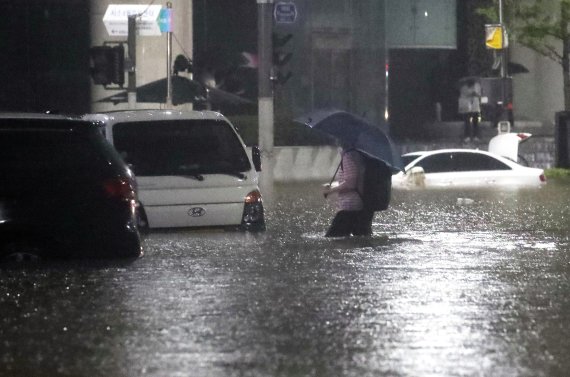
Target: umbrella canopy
185, 90
357, 132
515, 68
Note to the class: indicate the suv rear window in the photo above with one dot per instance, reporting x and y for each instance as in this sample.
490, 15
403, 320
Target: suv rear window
180, 147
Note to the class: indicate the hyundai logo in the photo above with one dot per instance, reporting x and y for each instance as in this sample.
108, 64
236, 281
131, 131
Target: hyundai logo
196, 212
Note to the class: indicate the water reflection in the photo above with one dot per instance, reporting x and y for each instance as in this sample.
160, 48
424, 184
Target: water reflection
442, 288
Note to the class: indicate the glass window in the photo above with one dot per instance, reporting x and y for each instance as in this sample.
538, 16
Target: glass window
478, 162
407, 159
47, 144
180, 147
437, 163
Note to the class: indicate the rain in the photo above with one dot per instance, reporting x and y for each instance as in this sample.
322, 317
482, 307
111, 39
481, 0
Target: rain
452, 281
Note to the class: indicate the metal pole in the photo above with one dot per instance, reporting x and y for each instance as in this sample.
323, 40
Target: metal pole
169, 64
504, 63
132, 45
503, 48
265, 95
501, 12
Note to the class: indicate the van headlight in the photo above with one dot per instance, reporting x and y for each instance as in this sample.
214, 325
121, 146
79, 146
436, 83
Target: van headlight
253, 217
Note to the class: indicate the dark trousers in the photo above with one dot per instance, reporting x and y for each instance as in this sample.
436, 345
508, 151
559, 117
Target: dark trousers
471, 125
346, 223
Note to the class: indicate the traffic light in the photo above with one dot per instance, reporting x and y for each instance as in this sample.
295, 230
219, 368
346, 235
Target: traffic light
280, 58
107, 64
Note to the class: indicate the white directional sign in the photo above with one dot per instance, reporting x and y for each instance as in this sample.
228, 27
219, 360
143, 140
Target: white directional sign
116, 19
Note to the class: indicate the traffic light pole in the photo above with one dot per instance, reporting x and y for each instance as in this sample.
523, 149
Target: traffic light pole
265, 88
132, 69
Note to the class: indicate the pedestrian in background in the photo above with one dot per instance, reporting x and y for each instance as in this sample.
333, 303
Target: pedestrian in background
469, 107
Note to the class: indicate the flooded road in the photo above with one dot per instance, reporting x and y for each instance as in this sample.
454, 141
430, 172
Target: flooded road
453, 283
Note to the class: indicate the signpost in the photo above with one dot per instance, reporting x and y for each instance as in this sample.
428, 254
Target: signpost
117, 15
495, 37
131, 20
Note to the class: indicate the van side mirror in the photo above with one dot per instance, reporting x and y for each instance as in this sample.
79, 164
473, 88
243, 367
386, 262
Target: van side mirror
256, 157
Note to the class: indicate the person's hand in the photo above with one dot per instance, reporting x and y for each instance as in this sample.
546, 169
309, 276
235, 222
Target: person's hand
326, 190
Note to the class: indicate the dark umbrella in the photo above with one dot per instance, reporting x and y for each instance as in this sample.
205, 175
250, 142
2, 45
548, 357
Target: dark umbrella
185, 90
357, 132
468, 80
515, 68
229, 103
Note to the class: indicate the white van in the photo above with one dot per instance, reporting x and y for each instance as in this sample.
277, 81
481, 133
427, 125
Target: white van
192, 168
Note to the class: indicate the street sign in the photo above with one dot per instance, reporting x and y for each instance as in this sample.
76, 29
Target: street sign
495, 37
165, 20
117, 16
285, 12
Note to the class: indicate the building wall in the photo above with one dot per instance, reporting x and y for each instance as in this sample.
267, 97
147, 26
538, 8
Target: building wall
539, 94
338, 58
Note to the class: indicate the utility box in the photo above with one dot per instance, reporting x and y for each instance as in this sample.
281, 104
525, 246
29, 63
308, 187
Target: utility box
562, 139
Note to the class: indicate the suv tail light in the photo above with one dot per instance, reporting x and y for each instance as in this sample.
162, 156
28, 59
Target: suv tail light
119, 188
542, 178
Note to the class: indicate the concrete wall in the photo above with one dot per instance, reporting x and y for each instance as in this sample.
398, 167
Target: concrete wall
305, 163
538, 94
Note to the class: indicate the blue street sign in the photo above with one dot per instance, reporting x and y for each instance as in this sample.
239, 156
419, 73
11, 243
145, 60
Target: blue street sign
285, 12
165, 20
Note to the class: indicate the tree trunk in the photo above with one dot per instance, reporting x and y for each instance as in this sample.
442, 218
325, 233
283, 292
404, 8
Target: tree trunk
564, 21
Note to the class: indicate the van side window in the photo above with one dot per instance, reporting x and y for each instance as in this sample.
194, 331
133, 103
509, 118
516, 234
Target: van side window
180, 147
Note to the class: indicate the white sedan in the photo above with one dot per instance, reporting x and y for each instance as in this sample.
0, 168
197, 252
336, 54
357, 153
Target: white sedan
462, 168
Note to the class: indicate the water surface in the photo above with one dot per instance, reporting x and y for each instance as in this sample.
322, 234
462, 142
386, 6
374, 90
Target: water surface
445, 287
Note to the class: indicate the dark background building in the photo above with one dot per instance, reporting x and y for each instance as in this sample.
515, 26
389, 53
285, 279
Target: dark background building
338, 55
44, 60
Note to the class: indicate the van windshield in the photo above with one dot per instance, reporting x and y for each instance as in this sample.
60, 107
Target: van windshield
180, 147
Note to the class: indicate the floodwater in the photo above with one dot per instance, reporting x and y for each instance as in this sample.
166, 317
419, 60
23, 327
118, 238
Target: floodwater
453, 283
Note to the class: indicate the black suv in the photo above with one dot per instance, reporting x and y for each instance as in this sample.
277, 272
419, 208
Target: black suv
64, 191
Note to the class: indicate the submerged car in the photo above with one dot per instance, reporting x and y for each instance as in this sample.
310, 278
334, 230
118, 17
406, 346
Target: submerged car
466, 168
64, 191
192, 168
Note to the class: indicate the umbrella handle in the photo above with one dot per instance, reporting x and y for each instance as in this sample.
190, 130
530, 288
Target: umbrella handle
335, 172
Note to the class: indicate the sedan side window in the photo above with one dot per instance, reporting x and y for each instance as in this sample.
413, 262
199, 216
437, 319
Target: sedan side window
438, 163
478, 162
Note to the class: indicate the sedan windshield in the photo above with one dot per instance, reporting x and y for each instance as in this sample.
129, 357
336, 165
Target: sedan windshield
181, 147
